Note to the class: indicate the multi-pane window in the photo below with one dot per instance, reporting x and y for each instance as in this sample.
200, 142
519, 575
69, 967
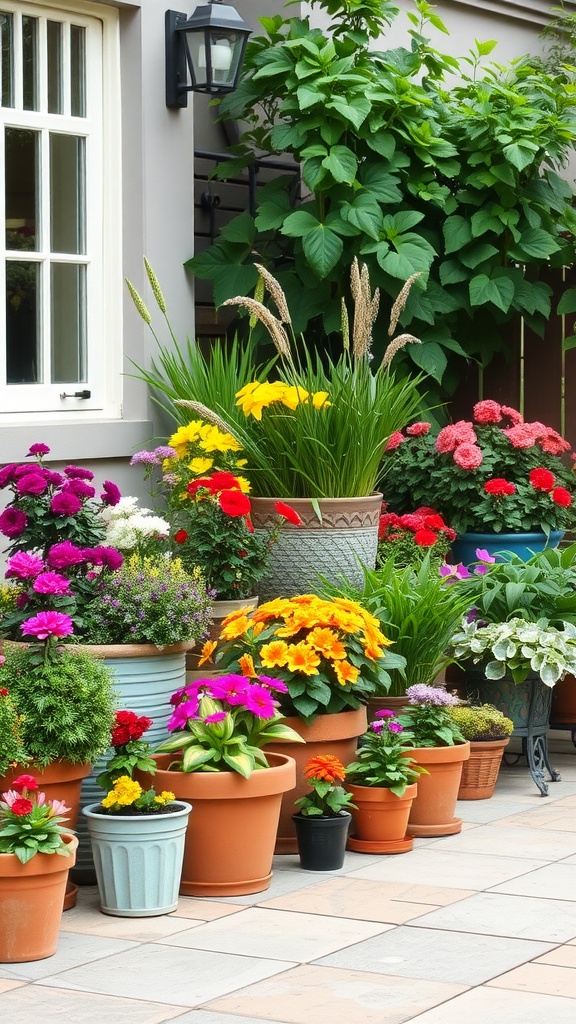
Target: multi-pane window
51, 196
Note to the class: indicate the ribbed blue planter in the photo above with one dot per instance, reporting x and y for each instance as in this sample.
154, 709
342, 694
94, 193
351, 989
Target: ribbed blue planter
145, 677
501, 545
138, 860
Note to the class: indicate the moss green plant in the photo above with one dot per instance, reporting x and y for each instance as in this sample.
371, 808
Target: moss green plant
481, 722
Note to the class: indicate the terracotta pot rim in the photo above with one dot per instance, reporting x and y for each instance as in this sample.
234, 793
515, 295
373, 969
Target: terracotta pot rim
40, 863
381, 793
340, 725
489, 744
435, 755
278, 778
63, 771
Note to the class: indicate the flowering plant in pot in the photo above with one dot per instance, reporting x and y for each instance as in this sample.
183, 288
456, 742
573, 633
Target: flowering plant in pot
137, 835
493, 474
382, 781
132, 528
36, 852
488, 731
323, 815
409, 537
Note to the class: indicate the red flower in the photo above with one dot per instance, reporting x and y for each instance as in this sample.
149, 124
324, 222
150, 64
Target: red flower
499, 487
487, 412
221, 481
180, 536
234, 503
562, 497
24, 782
3, 692
541, 479
411, 521
522, 435
288, 513
434, 522
195, 485
425, 538
129, 726
21, 807
394, 441
249, 524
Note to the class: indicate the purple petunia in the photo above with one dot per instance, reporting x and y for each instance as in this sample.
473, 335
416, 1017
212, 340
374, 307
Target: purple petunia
65, 504
24, 566
111, 493
51, 583
31, 483
38, 449
61, 555
48, 624
13, 522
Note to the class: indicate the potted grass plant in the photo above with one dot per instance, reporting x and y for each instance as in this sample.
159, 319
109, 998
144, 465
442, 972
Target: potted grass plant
323, 817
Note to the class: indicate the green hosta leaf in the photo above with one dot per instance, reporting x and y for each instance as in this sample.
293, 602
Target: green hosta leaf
457, 233
499, 291
495, 670
342, 164
242, 762
195, 756
323, 248
174, 742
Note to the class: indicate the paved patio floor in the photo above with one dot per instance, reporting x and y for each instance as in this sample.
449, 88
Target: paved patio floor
477, 927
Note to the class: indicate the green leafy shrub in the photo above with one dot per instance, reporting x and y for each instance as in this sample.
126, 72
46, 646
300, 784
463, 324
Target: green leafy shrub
481, 722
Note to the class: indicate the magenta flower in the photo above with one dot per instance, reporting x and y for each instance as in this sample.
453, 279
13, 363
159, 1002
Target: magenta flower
100, 555
31, 483
48, 624
187, 709
259, 701
484, 556
13, 522
7, 474
53, 479
395, 727
385, 714
38, 449
24, 566
111, 493
51, 583
274, 684
230, 687
65, 504
376, 726
64, 554
218, 716
78, 471
79, 487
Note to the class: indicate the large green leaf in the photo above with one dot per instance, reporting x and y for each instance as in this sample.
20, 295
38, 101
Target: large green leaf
365, 213
356, 111
323, 249
457, 233
535, 242
499, 291
567, 303
476, 254
299, 223
430, 357
342, 164
383, 185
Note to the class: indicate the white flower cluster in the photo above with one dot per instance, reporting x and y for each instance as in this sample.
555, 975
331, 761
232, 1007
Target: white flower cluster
128, 527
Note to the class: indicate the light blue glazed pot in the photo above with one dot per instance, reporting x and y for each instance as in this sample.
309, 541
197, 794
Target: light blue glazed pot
138, 860
523, 545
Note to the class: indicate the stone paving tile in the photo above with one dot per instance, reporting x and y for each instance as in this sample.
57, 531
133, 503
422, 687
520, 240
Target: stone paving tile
350, 898
6, 986
32, 1003
490, 913
154, 973
554, 882
210, 1017
487, 1005
459, 870
276, 935
562, 956
193, 907
481, 812
513, 840
86, 917
326, 995
73, 949
425, 953
548, 979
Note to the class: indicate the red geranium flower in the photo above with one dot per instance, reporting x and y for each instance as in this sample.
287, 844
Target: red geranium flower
499, 487
541, 479
180, 536
129, 726
487, 411
221, 481
24, 782
21, 807
234, 503
562, 497
425, 538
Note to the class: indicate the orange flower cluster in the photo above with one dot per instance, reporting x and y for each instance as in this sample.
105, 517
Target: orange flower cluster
326, 768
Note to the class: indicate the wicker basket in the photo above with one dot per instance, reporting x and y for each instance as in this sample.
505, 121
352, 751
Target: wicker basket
480, 771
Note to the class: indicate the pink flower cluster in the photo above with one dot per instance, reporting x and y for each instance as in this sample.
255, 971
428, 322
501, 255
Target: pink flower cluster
232, 692
425, 525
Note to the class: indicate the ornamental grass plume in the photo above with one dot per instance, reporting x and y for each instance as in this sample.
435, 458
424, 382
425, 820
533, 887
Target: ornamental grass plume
329, 654
491, 474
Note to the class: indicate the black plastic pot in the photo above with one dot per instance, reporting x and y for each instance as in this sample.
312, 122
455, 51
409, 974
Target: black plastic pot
322, 840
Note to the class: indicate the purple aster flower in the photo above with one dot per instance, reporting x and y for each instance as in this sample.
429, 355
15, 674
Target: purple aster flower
111, 493
65, 504
395, 727
79, 487
144, 458
7, 474
48, 624
78, 471
32, 483
24, 566
170, 479
436, 695
13, 522
164, 451
259, 701
376, 726
38, 449
385, 714
64, 554
218, 716
51, 583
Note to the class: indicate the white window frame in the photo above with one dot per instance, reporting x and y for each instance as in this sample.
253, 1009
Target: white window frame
43, 403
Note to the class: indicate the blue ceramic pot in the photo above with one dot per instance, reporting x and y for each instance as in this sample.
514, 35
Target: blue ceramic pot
502, 545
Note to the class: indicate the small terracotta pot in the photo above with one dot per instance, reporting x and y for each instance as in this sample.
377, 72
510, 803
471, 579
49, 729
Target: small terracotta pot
329, 734
480, 771
31, 898
380, 819
232, 829
432, 812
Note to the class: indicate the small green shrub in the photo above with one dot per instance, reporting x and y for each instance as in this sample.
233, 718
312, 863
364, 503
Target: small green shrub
481, 722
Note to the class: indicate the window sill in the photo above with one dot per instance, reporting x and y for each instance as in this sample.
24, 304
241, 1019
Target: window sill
69, 442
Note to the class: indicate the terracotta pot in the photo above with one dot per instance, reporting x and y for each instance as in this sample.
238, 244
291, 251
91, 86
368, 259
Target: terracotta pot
563, 711
337, 545
480, 771
31, 898
380, 819
329, 734
232, 828
432, 812
60, 781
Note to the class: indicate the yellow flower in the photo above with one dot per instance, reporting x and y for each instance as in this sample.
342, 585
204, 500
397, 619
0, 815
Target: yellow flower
199, 466
254, 397
185, 435
345, 672
326, 641
214, 440
245, 610
123, 794
274, 654
257, 628
244, 484
163, 798
293, 396
207, 652
236, 628
320, 400
303, 658
247, 666
271, 609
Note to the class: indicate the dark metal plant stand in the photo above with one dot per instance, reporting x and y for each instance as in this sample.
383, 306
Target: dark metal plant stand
528, 705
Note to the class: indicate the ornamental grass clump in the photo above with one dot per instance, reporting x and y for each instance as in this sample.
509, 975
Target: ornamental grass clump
492, 474
428, 717
330, 654
29, 823
222, 724
327, 797
383, 758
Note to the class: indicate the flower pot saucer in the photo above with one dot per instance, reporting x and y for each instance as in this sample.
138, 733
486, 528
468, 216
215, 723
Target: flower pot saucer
71, 895
449, 828
393, 846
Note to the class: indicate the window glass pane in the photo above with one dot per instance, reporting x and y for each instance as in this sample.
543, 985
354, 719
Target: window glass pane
7, 57
30, 63
68, 349
78, 71
23, 364
67, 204
54, 38
21, 156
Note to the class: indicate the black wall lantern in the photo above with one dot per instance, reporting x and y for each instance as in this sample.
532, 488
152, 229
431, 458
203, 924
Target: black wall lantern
209, 45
